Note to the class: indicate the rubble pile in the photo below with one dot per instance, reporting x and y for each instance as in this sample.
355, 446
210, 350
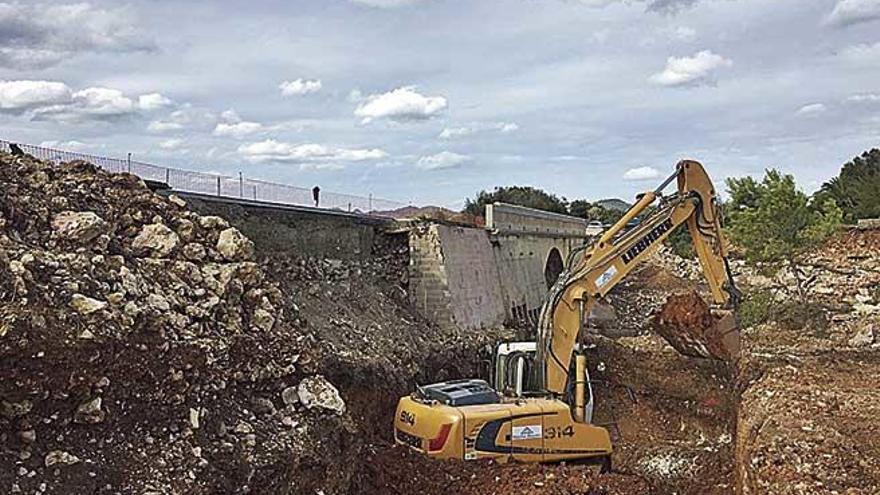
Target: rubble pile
364, 334
142, 349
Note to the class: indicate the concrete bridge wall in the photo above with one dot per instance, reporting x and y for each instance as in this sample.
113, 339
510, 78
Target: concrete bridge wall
472, 277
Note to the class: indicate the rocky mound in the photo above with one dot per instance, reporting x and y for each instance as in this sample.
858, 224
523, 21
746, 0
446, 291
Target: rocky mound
142, 350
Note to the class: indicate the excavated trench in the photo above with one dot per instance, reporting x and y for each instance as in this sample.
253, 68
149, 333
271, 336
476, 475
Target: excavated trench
672, 417
672, 421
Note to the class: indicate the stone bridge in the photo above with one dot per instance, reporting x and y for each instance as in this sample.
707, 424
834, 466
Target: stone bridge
467, 277
483, 277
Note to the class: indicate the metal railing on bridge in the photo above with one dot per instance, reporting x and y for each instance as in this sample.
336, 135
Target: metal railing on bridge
218, 185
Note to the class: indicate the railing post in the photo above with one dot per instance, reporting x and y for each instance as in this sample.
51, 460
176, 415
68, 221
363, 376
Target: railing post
218, 185
168, 176
371, 203
129, 162
240, 186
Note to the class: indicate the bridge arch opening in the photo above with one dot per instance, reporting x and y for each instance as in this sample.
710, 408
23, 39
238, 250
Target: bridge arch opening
553, 267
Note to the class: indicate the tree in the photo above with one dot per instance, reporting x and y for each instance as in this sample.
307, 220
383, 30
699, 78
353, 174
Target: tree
776, 223
857, 189
517, 195
580, 208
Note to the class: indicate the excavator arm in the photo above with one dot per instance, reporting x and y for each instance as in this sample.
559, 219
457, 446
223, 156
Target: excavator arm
593, 271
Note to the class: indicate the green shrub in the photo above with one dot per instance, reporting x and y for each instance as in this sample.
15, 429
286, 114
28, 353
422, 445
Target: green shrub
761, 307
797, 315
756, 308
681, 243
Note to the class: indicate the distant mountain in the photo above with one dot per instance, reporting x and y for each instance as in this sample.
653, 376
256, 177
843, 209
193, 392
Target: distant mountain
413, 211
432, 213
614, 204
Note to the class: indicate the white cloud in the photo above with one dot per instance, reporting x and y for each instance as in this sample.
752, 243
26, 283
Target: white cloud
21, 95
72, 145
36, 35
160, 126
669, 6
661, 6
864, 98
52, 100
691, 71
641, 173
317, 155
186, 116
300, 87
237, 130
506, 127
103, 101
442, 160
386, 4
401, 104
686, 34
454, 132
862, 53
230, 116
171, 144
596, 3
811, 109
153, 101
88, 104
849, 12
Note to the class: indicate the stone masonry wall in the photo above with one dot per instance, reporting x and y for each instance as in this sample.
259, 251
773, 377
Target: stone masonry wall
275, 229
454, 280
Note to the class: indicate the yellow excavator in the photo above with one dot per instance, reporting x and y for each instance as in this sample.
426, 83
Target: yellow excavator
540, 406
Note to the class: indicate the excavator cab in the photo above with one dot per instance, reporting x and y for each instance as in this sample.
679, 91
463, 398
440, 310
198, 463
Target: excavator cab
514, 373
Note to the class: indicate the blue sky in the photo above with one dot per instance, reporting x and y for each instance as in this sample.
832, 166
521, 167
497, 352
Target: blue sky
429, 101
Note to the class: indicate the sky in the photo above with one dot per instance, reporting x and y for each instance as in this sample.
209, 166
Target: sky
429, 101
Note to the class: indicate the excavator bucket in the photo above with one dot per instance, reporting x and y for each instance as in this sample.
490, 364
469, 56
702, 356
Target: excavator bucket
693, 329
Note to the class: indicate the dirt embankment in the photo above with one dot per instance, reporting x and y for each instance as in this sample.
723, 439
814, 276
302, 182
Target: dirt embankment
809, 403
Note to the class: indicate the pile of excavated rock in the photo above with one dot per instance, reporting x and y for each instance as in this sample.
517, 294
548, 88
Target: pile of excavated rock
142, 350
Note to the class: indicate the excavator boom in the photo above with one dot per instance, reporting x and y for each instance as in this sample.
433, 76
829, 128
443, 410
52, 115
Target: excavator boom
594, 271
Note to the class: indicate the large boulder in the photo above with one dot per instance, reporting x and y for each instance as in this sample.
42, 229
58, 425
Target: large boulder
865, 336
86, 305
156, 239
686, 322
234, 246
78, 226
317, 393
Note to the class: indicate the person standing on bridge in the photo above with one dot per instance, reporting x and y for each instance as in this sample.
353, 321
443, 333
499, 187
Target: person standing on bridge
316, 194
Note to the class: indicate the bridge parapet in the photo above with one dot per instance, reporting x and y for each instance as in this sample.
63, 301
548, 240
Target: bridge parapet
507, 219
